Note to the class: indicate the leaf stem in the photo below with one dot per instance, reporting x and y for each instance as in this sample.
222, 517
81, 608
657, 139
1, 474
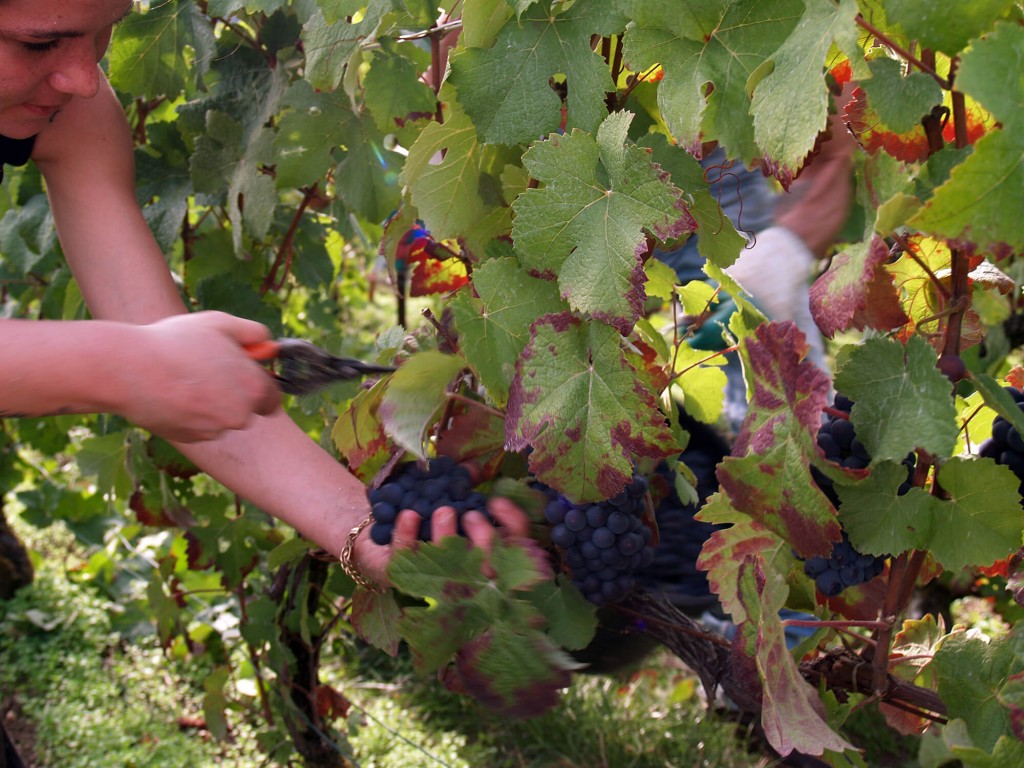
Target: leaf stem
898, 49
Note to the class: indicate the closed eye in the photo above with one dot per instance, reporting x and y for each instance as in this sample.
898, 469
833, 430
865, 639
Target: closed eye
40, 47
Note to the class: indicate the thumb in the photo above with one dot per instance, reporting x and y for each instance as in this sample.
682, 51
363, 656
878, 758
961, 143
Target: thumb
238, 328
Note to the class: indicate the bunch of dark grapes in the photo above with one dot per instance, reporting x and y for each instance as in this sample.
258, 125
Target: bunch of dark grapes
1006, 445
845, 566
442, 483
604, 543
673, 573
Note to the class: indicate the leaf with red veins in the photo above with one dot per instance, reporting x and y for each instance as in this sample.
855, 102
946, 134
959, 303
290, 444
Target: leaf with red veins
768, 475
864, 123
644, 358
580, 405
856, 292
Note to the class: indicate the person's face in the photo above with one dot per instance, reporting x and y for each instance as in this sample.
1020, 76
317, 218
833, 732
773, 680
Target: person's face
49, 50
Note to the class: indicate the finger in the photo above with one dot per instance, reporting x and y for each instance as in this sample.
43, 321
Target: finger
509, 516
480, 531
407, 530
241, 330
444, 523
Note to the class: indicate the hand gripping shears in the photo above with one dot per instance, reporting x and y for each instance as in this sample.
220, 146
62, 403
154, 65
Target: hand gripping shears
303, 368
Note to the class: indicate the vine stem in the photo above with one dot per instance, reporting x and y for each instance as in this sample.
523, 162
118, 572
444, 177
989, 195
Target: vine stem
285, 251
898, 49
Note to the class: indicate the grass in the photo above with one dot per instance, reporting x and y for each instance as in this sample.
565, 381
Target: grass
94, 697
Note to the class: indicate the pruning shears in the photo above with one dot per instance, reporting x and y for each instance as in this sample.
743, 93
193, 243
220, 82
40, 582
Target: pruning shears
304, 368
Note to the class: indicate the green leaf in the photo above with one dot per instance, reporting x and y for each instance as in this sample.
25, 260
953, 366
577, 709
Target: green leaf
106, 457
901, 400
790, 106
971, 671
578, 403
571, 618
375, 617
394, 89
979, 524
215, 702
768, 475
447, 192
721, 43
155, 53
945, 27
505, 88
330, 41
586, 224
718, 241
416, 392
702, 382
900, 100
494, 325
312, 126
969, 206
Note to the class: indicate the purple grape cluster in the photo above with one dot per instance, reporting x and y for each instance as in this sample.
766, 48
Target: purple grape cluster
605, 544
442, 483
845, 566
673, 573
1006, 445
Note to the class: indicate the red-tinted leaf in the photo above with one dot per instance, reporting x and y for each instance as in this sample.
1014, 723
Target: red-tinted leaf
856, 292
864, 123
430, 275
768, 475
578, 403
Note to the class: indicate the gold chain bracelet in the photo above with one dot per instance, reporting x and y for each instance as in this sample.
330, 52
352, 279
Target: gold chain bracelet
346, 557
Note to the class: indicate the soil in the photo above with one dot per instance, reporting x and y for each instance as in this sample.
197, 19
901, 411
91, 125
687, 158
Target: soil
20, 731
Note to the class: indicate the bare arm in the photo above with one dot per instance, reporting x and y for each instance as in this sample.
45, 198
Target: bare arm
86, 158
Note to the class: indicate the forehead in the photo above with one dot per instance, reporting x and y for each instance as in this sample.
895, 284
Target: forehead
76, 16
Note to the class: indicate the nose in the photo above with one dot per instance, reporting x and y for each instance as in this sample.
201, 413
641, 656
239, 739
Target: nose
77, 72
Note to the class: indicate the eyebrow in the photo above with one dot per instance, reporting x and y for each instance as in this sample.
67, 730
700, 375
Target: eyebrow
50, 34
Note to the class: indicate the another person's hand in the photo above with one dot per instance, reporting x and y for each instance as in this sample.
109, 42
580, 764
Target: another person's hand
191, 378
372, 560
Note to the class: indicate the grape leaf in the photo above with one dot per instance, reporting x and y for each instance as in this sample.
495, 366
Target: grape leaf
375, 618
718, 240
856, 292
359, 434
394, 88
785, 128
571, 618
708, 52
702, 382
967, 207
495, 637
980, 523
946, 27
741, 538
586, 223
415, 393
149, 55
330, 39
768, 474
513, 674
314, 123
792, 715
901, 400
494, 326
971, 672
580, 406
899, 100
448, 192
505, 88
872, 135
